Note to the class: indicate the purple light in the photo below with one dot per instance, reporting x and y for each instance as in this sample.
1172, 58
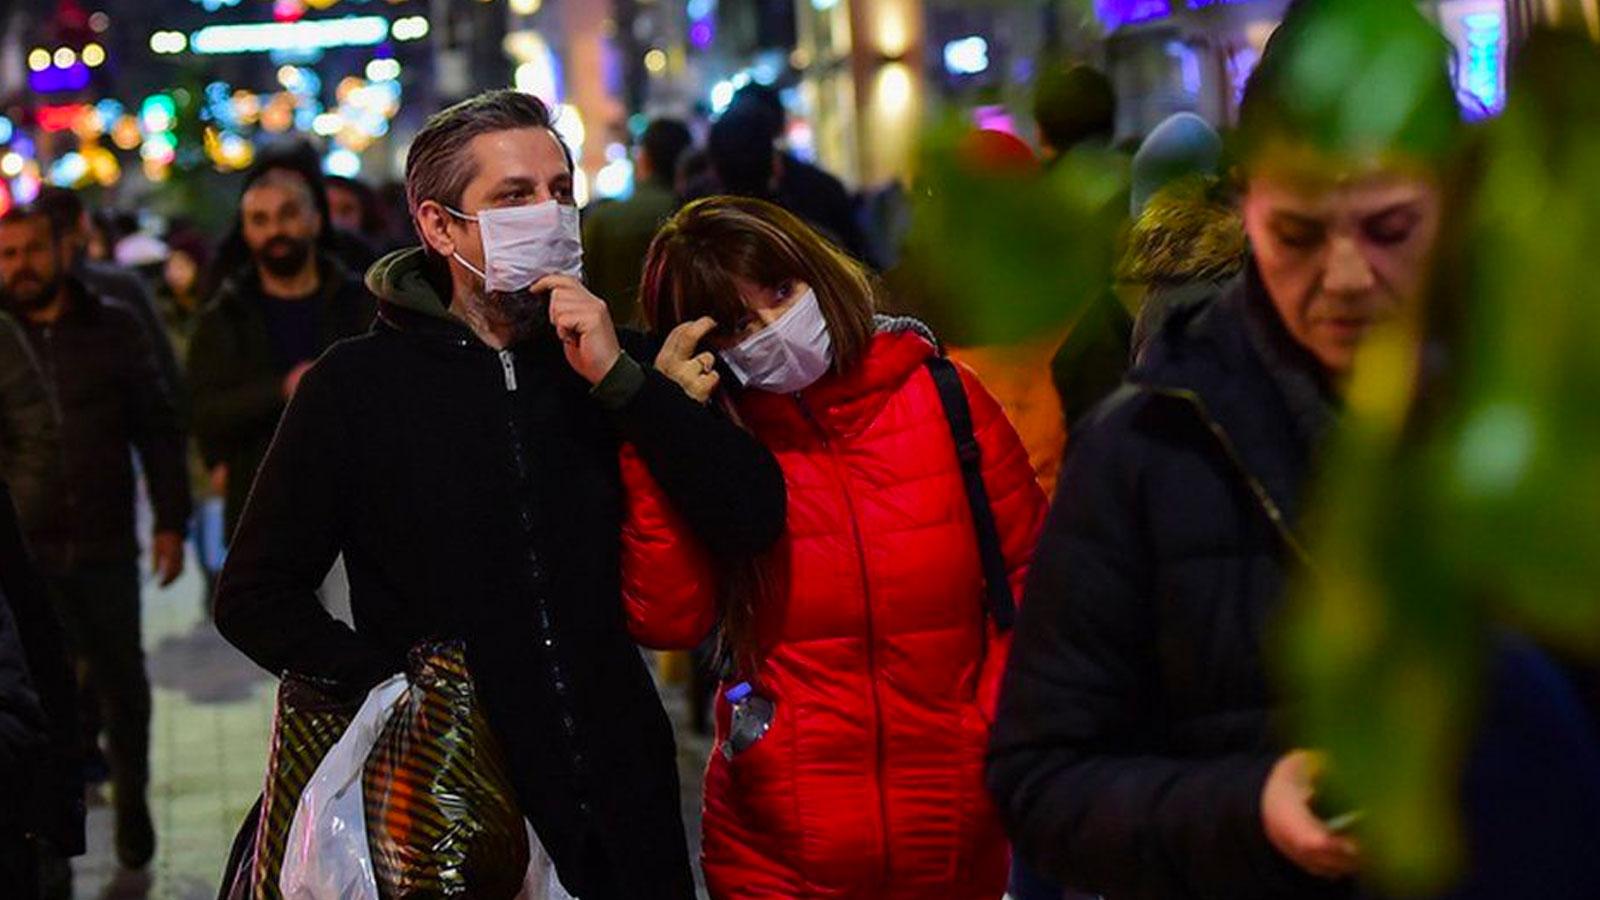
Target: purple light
1116, 13
701, 33
55, 80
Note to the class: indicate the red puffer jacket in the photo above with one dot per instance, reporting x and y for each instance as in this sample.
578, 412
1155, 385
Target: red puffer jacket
876, 651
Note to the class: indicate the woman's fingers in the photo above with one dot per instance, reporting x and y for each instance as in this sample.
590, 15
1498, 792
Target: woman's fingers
682, 341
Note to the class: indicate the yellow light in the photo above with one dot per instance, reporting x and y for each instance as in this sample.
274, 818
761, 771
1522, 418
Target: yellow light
893, 38
347, 85
11, 165
894, 88
125, 134
90, 125
39, 59
526, 7
288, 76
656, 61
103, 165
93, 55
65, 57
320, 4
246, 107
155, 170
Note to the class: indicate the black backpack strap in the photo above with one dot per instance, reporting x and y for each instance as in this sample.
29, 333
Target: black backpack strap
953, 396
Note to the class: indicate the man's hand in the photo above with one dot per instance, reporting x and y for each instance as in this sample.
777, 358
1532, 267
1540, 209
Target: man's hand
291, 381
1294, 829
583, 322
219, 480
166, 556
678, 361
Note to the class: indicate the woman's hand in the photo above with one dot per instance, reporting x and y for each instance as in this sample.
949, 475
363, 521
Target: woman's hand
692, 371
1294, 829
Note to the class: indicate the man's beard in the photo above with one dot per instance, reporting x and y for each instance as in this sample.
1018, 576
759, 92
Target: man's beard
29, 293
284, 256
522, 314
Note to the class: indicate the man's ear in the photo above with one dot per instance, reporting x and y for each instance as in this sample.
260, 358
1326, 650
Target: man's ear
433, 225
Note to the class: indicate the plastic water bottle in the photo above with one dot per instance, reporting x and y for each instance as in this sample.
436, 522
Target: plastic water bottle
750, 719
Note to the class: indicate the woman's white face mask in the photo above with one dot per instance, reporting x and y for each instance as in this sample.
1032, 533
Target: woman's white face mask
522, 244
787, 356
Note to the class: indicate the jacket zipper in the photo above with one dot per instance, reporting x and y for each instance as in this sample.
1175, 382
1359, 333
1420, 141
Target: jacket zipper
1268, 505
508, 366
872, 638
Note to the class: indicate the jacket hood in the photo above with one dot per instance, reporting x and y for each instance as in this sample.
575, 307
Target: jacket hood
1231, 356
1185, 234
400, 279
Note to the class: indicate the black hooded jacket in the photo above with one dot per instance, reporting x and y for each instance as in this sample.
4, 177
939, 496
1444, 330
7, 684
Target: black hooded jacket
1137, 725
478, 495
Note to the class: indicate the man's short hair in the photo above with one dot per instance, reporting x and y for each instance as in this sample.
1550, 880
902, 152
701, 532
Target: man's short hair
1315, 83
664, 143
32, 212
288, 180
1073, 104
64, 207
440, 165
742, 152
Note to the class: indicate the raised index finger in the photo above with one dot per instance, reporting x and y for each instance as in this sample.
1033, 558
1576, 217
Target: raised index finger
681, 342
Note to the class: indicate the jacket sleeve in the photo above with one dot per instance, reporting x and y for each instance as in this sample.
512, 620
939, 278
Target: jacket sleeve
60, 786
157, 434
1075, 762
1019, 509
22, 727
727, 487
228, 405
669, 587
293, 528
30, 451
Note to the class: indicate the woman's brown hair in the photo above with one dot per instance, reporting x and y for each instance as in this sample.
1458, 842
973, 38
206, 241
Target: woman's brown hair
690, 269
689, 273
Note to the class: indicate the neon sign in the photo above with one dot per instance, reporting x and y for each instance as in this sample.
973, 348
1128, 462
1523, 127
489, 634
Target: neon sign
306, 34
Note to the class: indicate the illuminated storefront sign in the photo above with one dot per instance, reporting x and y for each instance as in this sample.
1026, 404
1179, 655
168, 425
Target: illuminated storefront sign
306, 34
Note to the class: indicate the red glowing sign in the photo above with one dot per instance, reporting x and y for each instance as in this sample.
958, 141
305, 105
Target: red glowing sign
60, 117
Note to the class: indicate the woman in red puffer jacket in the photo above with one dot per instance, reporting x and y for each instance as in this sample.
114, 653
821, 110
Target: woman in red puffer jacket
866, 627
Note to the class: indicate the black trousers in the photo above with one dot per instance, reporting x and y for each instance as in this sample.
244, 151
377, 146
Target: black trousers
99, 608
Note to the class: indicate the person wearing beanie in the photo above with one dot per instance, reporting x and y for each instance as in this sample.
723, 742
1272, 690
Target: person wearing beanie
1182, 146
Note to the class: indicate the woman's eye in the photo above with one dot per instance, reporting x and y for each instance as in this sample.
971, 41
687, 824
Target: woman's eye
1391, 230
1299, 237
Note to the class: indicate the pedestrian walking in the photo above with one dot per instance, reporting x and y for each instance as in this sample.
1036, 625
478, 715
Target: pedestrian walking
264, 327
866, 644
113, 402
463, 457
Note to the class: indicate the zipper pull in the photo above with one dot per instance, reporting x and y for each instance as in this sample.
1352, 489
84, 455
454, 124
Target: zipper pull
508, 366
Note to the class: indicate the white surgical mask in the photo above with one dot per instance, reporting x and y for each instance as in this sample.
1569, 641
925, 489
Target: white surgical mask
787, 356
522, 244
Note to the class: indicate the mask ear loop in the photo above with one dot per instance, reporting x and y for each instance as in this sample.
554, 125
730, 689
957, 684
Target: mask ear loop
457, 256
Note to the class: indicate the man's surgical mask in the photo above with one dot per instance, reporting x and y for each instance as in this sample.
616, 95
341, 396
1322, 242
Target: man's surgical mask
787, 356
522, 244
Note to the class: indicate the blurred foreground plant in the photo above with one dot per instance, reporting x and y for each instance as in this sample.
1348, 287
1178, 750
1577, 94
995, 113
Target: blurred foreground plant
1463, 495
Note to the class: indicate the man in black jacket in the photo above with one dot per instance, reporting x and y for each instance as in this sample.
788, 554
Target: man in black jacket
463, 457
1138, 751
108, 388
264, 327
108, 280
30, 452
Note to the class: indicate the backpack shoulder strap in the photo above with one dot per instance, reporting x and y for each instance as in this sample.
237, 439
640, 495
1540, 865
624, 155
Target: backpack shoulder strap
953, 397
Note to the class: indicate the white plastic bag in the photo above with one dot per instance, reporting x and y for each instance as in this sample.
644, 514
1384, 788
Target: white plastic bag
326, 857
541, 882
